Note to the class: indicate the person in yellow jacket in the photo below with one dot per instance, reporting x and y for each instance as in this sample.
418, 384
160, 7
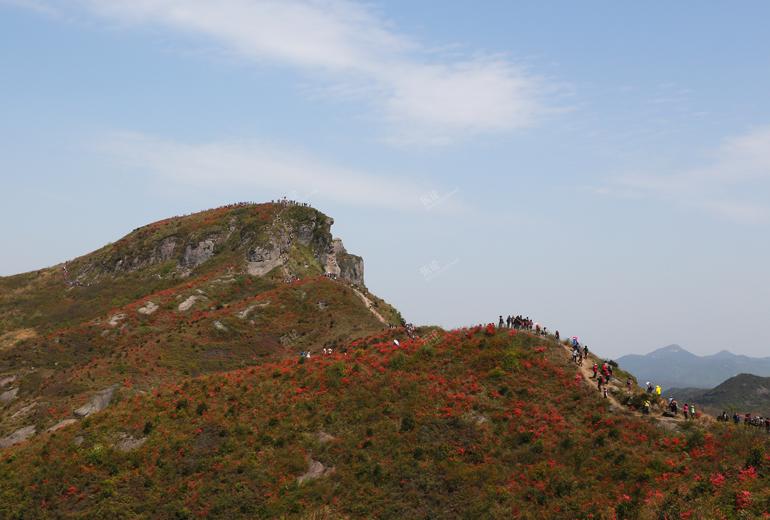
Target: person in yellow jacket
657, 390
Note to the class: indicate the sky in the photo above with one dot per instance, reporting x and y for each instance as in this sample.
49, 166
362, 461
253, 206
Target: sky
602, 167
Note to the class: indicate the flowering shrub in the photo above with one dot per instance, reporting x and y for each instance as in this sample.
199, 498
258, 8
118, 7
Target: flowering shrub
482, 425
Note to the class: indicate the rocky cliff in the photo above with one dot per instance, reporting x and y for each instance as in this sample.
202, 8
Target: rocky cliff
258, 238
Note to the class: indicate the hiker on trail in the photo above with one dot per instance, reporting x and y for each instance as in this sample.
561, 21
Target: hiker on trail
650, 388
628, 384
596, 368
692, 411
600, 382
500, 325
657, 390
736, 418
686, 411
604, 391
585, 351
646, 407
674, 407
557, 335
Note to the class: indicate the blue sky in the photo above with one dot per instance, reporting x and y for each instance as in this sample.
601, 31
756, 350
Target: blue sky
603, 167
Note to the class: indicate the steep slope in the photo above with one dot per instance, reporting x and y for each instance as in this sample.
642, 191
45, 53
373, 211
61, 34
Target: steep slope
472, 423
208, 292
744, 393
674, 366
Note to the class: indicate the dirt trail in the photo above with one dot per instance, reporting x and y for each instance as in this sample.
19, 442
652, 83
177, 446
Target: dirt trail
587, 370
370, 306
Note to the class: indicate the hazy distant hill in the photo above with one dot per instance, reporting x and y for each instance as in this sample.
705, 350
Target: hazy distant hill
673, 366
742, 393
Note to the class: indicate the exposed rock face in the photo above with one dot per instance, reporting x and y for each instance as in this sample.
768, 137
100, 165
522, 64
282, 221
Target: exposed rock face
149, 308
98, 403
18, 436
315, 470
62, 424
7, 380
351, 267
165, 250
195, 255
8, 396
128, 443
262, 260
189, 302
26, 410
263, 245
116, 319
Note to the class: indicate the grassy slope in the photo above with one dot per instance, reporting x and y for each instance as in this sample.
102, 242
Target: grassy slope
75, 351
742, 393
467, 424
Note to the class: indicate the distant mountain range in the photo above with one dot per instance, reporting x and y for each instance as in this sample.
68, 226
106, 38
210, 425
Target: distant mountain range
675, 367
742, 393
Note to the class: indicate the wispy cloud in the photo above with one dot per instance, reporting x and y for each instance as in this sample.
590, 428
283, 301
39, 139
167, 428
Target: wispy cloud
423, 96
260, 166
733, 184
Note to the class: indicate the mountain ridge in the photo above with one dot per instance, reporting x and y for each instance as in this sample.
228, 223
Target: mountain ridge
675, 367
151, 381
744, 393
189, 295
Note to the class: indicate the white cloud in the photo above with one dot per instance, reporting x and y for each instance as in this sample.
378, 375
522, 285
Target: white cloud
261, 166
423, 96
734, 184
41, 6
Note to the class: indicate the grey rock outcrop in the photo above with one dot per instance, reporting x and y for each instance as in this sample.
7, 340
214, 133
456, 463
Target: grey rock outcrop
262, 260
115, 319
315, 470
351, 267
8, 396
97, 403
62, 424
19, 436
148, 308
126, 443
196, 254
189, 302
263, 244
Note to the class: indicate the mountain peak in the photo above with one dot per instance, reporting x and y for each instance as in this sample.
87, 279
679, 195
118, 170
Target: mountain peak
670, 350
254, 238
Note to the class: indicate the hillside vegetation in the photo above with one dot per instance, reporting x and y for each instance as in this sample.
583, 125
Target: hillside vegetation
470, 423
744, 393
209, 292
161, 377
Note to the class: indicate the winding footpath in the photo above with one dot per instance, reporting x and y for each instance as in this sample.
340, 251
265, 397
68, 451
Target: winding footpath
587, 371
